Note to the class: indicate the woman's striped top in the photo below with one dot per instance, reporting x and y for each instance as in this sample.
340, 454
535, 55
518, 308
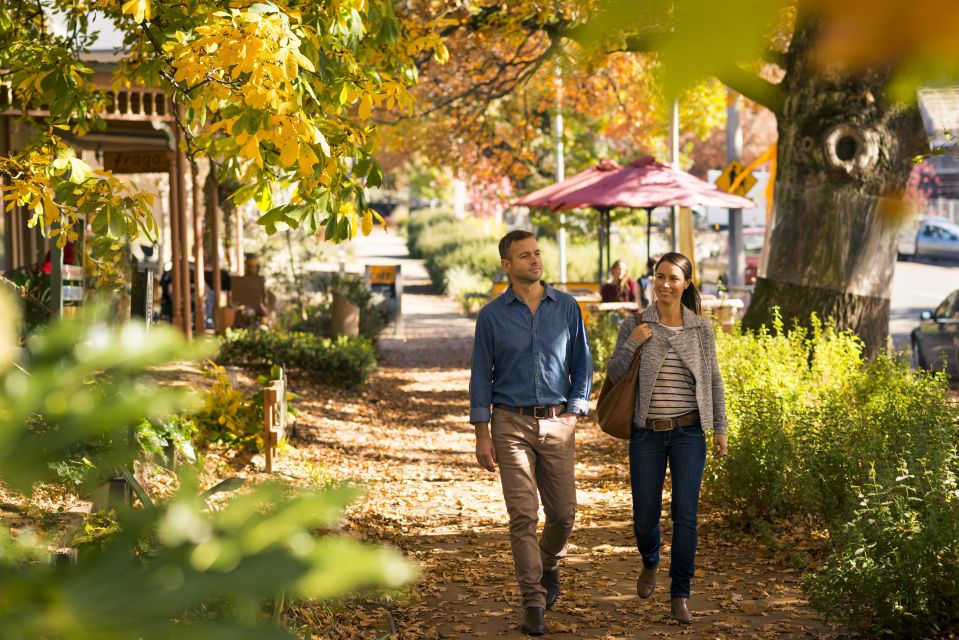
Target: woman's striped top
674, 392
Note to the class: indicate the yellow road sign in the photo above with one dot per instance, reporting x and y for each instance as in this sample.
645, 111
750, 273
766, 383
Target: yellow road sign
382, 274
733, 174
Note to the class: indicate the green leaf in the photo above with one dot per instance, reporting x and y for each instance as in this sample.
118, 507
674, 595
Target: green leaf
230, 484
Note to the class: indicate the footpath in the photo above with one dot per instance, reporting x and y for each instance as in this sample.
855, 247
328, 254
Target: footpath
407, 438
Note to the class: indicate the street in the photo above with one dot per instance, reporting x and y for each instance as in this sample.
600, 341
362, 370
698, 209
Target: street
917, 287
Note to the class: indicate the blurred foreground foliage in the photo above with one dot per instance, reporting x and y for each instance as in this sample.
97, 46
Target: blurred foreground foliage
156, 572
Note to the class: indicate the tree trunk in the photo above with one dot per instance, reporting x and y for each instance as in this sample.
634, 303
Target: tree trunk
845, 154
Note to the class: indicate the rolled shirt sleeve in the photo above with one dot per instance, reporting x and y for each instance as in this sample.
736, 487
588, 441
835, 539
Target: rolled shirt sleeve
481, 370
581, 367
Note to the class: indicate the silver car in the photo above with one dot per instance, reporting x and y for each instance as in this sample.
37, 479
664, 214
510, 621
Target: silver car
935, 342
936, 238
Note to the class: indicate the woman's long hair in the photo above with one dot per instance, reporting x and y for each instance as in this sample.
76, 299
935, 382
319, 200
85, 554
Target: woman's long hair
690, 297
623, 292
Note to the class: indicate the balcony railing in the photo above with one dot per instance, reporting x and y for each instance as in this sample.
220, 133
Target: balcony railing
125, 104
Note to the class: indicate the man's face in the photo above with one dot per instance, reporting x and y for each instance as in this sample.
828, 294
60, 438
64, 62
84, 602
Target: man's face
524, 263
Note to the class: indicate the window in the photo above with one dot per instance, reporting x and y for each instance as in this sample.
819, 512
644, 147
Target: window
949, 305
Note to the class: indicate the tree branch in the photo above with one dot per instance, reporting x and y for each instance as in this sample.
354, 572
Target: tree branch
753, 87
736, 78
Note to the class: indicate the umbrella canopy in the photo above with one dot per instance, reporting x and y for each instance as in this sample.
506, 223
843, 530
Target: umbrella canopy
644, 184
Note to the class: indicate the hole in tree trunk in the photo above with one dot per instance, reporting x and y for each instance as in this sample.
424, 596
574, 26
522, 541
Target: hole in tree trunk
846, 148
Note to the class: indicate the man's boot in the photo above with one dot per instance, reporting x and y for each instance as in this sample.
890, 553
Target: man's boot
681, 612
646, 583
533, 623
550, 582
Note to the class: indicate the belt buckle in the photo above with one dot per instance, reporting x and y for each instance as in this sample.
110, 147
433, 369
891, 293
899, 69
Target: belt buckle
538, 416
663, 425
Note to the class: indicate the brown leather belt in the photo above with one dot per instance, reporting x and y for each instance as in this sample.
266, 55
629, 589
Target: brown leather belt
668, 424
540, 413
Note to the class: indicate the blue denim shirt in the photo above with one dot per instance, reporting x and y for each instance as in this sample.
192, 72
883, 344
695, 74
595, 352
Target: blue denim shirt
529, 361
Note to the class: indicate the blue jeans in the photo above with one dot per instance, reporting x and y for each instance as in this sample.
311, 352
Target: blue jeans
685, 450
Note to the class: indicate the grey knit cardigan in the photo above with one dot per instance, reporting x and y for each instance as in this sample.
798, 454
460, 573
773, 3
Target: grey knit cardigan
695, 345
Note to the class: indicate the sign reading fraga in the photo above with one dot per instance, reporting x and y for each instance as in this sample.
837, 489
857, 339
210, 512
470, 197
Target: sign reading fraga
136, 161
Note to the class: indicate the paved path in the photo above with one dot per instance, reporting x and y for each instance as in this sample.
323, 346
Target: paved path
433, 332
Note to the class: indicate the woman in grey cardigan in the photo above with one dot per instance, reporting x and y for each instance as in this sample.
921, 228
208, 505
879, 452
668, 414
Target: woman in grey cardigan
680, 393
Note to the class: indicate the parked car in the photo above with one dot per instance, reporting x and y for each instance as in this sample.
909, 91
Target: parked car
935, 342
935, 238
714, 268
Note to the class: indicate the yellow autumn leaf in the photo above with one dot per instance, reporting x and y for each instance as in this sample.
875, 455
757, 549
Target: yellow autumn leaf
366, 106
289, 152
304, 61
307, 160
139, 9
251, 150
367, 223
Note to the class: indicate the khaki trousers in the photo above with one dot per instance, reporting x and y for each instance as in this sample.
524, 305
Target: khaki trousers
535, 456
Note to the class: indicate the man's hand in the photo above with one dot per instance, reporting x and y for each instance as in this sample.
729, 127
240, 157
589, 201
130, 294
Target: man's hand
719, 445
569, 418
485, 452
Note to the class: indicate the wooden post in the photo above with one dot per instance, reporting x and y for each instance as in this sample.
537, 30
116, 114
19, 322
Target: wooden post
213, 221
9, 244
274, 419
238, 240
182, 227
175, 247
199, 287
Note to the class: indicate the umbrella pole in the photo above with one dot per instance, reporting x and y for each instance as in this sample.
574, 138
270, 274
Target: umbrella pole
599, 233
609, 235
649, 236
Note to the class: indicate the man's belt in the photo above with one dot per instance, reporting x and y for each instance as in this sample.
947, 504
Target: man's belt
540, 413
668, 424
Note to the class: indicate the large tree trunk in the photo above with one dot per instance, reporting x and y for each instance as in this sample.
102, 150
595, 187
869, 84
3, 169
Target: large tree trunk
845, 156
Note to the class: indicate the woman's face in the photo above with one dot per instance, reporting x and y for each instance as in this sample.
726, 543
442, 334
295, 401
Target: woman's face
670, 282
618, 271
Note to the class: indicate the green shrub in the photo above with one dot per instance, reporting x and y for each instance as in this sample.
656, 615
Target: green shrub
480, 257
602, 333
345, 361
582, 260
895, 567
869, 449
228, 415
776, 381
419, 222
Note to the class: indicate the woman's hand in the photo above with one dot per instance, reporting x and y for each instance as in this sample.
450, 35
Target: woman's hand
641, 333
719, 445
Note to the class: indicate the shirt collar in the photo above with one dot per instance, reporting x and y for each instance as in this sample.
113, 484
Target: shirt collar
509, 295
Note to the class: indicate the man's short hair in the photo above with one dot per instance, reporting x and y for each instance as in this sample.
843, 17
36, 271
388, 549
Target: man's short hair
513, 236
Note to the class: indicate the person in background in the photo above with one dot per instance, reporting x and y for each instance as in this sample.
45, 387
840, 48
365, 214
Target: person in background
620, 287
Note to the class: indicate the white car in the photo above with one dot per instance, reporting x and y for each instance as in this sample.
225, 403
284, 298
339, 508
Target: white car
935, 238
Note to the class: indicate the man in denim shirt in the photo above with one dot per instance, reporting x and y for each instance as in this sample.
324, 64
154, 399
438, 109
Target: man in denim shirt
531, 363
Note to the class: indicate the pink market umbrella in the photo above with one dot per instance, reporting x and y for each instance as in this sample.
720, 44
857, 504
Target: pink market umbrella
644, 184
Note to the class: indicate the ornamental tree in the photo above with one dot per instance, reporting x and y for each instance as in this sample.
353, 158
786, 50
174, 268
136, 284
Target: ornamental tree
272, 93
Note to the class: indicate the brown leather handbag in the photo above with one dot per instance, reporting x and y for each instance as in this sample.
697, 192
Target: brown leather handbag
616, 403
